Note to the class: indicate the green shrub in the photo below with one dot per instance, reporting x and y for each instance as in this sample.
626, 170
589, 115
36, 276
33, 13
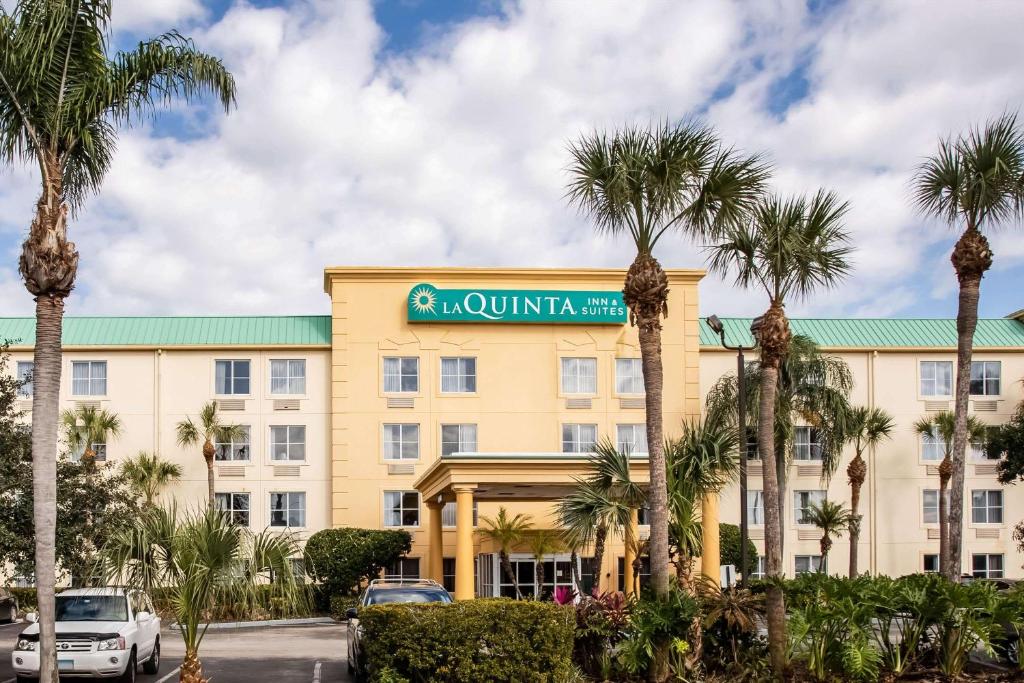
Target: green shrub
476, 640
657, 622
26, 598
341, 559
729, 548
340, 604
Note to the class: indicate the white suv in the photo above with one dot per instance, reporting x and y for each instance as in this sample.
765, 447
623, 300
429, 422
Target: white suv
101, 633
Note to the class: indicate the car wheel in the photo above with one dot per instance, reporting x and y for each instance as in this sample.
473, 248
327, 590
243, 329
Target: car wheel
129, 671
152, 665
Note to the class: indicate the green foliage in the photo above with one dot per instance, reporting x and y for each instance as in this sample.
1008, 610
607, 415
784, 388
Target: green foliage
342, 559
601, 622
475, 640
340, 605
26, 598
729, 547
1006, 442
656, 622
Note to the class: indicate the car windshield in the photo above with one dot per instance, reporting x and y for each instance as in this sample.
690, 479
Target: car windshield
92, 608
383, 597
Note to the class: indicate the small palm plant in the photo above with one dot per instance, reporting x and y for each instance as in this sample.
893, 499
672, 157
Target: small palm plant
542, 543
833, 519
148, 474
88, 427
208, 430
506, 532
866, 428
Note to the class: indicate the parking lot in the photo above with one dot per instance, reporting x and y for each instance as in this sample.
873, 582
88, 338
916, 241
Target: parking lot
291, 655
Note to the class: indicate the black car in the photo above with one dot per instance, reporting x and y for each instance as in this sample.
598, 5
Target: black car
382, 592
8, 606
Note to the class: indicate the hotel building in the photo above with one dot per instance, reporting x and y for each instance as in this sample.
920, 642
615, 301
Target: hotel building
429, 397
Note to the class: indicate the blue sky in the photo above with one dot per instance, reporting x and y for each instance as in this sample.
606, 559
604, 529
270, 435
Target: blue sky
412, 132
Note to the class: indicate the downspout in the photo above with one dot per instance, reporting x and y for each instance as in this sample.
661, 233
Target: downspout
157, 356
873, 547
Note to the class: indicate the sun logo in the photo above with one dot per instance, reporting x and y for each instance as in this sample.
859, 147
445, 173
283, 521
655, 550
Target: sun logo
423, 300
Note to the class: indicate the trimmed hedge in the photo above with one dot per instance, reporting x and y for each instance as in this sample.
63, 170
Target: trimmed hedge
340, 605
341, 559
495, 639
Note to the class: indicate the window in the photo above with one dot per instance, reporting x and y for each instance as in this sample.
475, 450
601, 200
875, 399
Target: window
458, 375
237, 449
579, 375
802, 501
752, 452
644, 574
987, 507
298, 569
288, 509
448, 515
448, 573
806, 564
403, 568
629, 376
401, 508
25, 370
578, 438
930, 563
288, 442
401, 375
759, 572
932, 448
288, 377
979, 448
936, 378
807, 444
99, 450
987, 566
89, 378
985, 377
401, 441
233, 377
458, 439
643, 515
930, 506
236, 505
755, 507
631, 438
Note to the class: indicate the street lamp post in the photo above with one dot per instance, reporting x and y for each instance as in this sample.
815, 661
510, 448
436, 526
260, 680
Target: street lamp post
741, 418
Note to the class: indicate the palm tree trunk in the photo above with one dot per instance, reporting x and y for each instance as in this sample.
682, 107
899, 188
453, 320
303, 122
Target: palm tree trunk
540, 577
208, 454
781, 472
944, 546
506, 565
857, 472
191, 668
826, 545
657, 495
775, 601
599, 540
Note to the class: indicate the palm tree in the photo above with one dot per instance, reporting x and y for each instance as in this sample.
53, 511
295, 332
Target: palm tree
88, 426
506, 532
866, 428
201, 562
61, 100
541, 543
208, 431
833, 520
790, 248
941, 427
645, 182
975, 181
600, 503
147, 474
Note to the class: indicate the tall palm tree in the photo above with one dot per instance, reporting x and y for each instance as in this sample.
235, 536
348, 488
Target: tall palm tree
600, 503
974, 182
61, 100
790, 248
88, 426
942, 428
148, 474
541, 543
833, 519
201, 562
865, 428
208, 430
644, 182
506, 532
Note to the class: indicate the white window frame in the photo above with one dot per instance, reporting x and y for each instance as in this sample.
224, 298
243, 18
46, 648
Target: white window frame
462, 375
927, 506
234, 446
924, 563
760, 567
799, 507
986, 379
288, 443
25, 390
988, 572
232, 362
401, 509
932, 443
813, 564
805, 450
576, 439
400, 563
401, 374
294, 383
288, 509
230, 508
448, 513
755, 507
634, 379
397, 448
934, 377
466, 441
573, 381
627, 435
988, 510
91, 379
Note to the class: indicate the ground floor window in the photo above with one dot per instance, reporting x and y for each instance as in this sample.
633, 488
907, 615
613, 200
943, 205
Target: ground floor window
930, 563
448, 574
806, 564
526, 576
403, 568
236, 505
288, 509
645, 571
987, 566
759, 569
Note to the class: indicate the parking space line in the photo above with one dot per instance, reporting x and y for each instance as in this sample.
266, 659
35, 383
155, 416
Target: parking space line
9, 680
169, 676
316, 672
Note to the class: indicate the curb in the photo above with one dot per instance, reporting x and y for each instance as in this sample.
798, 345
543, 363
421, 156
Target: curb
271, 623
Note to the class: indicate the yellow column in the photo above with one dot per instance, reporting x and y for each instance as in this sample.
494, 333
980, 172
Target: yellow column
464, 561
711, 558
435, 553
629, 580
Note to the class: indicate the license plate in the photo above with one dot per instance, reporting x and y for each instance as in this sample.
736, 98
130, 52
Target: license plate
65, 664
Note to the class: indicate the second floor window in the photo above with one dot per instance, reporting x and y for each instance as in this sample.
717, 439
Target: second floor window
401, 441
987, 507
458, 375
288, 509
25, 369
401, 508
448, 515
288, 377
807, 444
755, 508
89, 378
233, 377
629, 376
930, 505
401, 375
458, 439
936, 378
932, 448
578, 438
802, 501
631, 438
985, 377
236, 449
236, 505
579, 375
288, 442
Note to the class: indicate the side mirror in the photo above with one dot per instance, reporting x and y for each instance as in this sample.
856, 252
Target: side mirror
351, 613
31, 617
143, 616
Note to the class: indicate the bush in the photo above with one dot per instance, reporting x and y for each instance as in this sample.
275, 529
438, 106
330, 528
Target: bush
729, 547
477, 640
340, 604
341, 559
26, 598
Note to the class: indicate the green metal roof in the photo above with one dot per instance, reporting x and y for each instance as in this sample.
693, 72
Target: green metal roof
878, 332
290, 330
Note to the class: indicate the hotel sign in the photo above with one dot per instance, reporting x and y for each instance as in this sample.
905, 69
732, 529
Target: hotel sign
428, 304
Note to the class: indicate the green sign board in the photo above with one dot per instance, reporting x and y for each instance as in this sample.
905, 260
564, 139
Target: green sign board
428, 304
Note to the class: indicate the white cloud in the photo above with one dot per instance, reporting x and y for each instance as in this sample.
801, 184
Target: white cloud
132, 15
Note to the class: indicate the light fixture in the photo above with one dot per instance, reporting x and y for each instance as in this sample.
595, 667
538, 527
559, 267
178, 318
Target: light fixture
715, 324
